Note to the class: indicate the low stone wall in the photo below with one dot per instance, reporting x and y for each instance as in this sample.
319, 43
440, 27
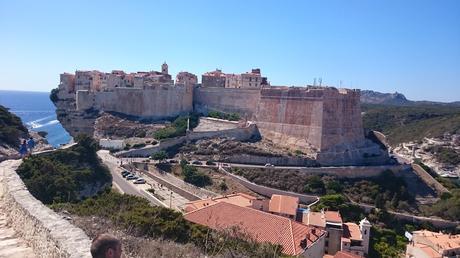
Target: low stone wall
46, 232
268, 191
277, 161
429, 180
148, 150
239, 134
186, 194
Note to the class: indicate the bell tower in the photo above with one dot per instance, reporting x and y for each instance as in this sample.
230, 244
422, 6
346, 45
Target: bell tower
164, 68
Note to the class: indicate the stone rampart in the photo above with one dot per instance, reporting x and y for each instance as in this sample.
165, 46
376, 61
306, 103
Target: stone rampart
429, 180
262, 160
46, 232
228, 100
152, 103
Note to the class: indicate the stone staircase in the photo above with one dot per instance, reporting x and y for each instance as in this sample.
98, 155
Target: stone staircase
10, 245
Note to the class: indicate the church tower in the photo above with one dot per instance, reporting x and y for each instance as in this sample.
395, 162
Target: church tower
164, 68
365, 228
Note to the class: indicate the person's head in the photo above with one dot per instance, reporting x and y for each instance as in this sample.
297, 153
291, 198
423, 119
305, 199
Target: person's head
31, 138
106, 246
23, 141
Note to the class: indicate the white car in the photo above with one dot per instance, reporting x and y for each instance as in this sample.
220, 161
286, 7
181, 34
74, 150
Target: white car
139, 181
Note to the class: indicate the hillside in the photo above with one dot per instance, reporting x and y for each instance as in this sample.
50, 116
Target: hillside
397, 99
411, 123
374, 97
11, 128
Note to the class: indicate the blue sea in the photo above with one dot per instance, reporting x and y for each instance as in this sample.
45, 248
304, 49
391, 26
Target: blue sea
37, 112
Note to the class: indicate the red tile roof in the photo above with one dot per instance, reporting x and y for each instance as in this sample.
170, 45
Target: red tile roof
262, 226
333, 216
240, 199
351, 231
284, 204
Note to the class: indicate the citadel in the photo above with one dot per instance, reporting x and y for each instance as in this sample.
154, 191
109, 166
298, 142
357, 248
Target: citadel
323, 120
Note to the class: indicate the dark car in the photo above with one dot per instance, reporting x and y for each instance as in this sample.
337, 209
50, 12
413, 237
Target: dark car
172, 161
196, 162
125, 173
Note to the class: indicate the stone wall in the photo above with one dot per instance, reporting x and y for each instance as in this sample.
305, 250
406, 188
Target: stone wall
240, 134
153, 103
262, 160
429, 180
46, 232
242, 101
268, 191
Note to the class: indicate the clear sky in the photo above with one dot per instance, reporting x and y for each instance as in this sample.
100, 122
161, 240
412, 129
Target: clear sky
412, 47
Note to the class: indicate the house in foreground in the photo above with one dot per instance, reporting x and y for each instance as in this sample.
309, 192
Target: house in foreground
296, 239
428, 244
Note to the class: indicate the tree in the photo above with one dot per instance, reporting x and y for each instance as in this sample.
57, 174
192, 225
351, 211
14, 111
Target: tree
161, 155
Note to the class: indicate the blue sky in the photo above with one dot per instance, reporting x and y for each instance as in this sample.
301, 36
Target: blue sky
412, 47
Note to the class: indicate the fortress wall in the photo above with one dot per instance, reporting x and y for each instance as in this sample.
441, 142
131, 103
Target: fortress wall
342, 123
46, 232
85, 100
242, 101
157, 103
291, 116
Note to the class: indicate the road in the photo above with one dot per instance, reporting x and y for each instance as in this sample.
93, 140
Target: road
163, 196
122, 184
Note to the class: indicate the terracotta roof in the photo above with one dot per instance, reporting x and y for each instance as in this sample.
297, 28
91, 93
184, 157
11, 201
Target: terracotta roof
240, 199
262, 226
442, 241
333, 216
430, 252
315, 219
284, 204
351, 231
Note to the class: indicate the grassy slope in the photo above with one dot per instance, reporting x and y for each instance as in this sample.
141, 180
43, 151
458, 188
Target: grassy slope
411, 123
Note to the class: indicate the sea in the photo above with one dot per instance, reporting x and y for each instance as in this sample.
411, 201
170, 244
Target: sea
37, 112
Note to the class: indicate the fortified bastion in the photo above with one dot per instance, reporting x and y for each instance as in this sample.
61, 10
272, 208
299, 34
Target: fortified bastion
325, 121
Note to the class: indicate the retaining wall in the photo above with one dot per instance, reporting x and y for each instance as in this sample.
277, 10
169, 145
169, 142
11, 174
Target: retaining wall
186, 194
267, 191
46, 232
429, 180
239, 134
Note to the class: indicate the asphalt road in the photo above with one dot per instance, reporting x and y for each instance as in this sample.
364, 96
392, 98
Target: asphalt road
124, 185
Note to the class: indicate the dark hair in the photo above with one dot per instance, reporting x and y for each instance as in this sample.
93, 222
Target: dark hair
102, 243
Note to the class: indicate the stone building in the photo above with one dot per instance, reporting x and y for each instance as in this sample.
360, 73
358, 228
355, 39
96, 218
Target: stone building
348, 237
214, 79
186, 78
251, 79
428, 244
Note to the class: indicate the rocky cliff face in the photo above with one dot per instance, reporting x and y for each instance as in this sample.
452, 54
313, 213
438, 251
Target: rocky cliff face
75, 122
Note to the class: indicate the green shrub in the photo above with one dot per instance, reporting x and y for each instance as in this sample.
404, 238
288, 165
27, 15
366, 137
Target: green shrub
161, 155
194, 177
54, 95
11, 128
62, 175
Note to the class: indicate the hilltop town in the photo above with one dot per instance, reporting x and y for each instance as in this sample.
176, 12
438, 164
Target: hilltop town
324, 121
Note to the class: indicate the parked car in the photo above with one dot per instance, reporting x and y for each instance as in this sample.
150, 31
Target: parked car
196, 162
225, 165
268, 165
132, 177
210, 163
139, 181
172, 161
125, 173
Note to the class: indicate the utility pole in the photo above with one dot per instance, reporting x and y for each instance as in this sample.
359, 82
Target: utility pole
170, 200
